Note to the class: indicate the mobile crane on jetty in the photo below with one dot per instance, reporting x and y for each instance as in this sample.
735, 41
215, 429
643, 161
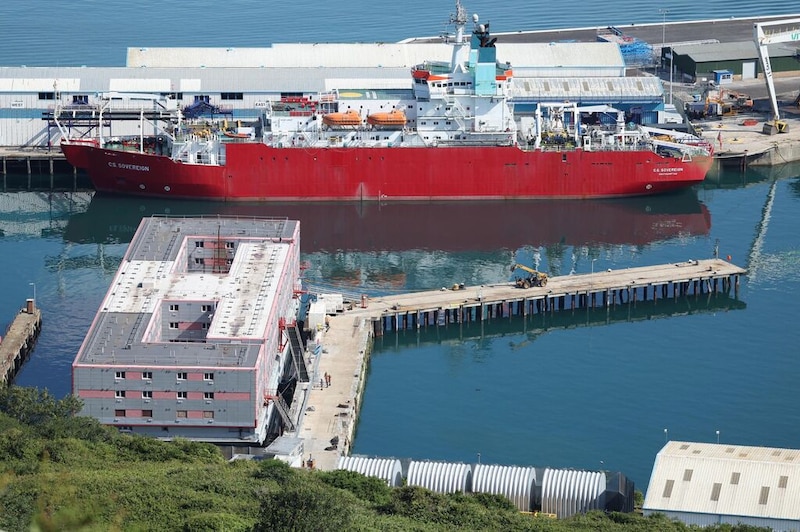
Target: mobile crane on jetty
789, 33
534, 277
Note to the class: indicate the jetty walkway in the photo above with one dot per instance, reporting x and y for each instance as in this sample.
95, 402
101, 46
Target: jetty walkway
328, 414
18, 340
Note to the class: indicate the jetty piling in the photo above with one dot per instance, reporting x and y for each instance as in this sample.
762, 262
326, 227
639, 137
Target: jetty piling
19, 339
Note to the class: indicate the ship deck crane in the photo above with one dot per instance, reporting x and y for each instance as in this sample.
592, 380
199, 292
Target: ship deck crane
789, 32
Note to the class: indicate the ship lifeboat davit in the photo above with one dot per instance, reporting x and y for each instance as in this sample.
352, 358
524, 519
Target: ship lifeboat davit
394, 118
348, 118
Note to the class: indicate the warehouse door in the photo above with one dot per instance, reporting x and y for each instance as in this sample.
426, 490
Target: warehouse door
749, 70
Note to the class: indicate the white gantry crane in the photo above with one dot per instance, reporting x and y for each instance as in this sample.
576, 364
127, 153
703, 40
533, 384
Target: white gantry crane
765, 34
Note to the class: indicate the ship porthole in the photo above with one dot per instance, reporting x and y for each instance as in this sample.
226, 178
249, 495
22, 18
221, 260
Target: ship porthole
141, 186
166, 188
649, 186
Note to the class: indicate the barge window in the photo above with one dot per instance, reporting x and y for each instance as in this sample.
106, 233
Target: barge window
182, 395
147, 394
180, 413
119, 394
147, 375
208, 376
119, 413
119, 375
147, 413
182, 375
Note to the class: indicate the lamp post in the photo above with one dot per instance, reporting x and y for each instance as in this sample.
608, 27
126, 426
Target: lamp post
34, 290
666, 437
593, 266
717, 436
663, 13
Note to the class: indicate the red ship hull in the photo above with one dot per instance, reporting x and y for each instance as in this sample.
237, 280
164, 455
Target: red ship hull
258, 172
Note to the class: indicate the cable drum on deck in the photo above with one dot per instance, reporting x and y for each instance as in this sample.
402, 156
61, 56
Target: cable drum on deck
386, 469
515, 483
566, 492
440, 477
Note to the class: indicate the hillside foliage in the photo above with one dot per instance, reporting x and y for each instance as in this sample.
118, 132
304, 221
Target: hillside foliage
64, 472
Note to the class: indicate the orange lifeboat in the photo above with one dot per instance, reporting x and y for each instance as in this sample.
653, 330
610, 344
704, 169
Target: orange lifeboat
348, 118
394, 118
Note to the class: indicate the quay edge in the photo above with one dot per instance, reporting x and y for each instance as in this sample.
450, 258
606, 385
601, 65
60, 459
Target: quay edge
330, 413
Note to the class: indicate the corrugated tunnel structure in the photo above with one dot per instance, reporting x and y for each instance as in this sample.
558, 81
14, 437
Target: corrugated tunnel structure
441, 477
566, 492
386, 469
563, 492
515, 483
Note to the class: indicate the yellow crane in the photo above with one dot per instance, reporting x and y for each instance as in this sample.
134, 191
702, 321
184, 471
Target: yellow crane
534, 277
789, 32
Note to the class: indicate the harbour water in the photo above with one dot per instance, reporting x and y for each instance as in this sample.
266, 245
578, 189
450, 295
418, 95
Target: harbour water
602, 390
95, 33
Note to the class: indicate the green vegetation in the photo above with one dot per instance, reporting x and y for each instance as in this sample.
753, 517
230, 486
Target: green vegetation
61, 472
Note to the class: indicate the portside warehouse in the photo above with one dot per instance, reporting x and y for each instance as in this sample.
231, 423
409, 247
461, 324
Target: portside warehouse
241, 82
705, 483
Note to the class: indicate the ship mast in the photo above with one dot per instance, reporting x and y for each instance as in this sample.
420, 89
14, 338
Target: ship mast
459, 19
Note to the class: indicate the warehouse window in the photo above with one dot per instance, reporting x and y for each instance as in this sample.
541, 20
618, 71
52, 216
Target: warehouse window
735, 477
715, 491
47, 95
783, 481
232, 96
668, 489
764, 495
687, 475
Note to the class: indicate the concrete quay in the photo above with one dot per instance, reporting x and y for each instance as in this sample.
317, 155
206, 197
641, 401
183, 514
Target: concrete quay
330, 413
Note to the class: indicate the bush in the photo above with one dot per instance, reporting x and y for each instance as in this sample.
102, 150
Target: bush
369, 489
304, 507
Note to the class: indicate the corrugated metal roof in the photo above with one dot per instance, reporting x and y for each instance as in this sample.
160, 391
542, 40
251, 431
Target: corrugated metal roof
721, 479
630, 89
283, 79
731, 51
387, 55
251, 80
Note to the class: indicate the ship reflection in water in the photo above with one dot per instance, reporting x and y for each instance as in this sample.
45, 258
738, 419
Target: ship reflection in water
446, 226
406, 246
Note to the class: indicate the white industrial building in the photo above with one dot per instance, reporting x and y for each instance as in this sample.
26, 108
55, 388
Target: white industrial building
241, 81
705, 484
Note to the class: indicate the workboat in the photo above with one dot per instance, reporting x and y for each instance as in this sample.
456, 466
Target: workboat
452, 134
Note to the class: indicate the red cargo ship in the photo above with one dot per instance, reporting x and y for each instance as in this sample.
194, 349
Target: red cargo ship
454, 136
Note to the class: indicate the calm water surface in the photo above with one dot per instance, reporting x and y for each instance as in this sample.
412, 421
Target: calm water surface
590, 389
594, 390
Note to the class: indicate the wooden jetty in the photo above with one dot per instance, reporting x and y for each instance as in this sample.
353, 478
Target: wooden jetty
328, 414
18, 341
